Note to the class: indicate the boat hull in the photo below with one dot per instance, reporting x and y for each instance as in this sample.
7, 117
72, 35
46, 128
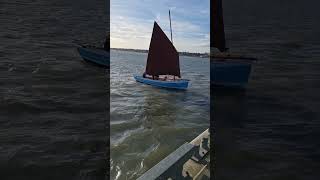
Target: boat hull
233, 74
98, 56
179, 84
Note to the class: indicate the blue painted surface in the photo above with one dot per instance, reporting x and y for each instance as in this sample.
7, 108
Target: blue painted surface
179, 84
230, 74
95, 55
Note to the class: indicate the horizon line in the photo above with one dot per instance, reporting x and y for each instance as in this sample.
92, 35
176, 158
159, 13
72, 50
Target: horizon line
148, 50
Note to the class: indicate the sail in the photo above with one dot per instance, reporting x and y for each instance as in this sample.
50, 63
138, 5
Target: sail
217, 33
163, 58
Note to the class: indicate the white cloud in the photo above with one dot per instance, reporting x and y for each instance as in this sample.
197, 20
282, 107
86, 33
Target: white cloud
132, 29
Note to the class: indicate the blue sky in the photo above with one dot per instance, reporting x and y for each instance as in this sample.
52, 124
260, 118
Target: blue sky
131, 23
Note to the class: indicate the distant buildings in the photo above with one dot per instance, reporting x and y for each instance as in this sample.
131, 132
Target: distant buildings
202, 55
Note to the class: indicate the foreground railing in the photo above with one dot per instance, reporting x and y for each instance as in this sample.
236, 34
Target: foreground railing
189, 161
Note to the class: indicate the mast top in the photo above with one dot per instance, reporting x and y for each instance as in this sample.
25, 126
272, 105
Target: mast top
170, 26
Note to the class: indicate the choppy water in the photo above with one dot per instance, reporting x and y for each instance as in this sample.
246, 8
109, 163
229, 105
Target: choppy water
52, 104
271, 131
147, 123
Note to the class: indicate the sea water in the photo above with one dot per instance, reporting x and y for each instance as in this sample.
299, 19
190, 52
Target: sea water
148, 123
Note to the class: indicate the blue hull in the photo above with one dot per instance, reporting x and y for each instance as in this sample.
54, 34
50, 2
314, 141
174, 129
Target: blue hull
179, 84
230, 73
95, 55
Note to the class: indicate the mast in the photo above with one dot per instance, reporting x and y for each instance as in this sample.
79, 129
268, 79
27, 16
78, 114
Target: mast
170, 26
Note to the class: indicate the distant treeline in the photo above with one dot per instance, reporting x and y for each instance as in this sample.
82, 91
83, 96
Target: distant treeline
204, 55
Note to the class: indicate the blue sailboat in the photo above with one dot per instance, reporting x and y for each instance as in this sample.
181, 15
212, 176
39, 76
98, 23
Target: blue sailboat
163, 68
227, 70
96, 55
230, 73
177, 84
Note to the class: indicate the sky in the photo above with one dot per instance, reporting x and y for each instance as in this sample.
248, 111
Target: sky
131, 23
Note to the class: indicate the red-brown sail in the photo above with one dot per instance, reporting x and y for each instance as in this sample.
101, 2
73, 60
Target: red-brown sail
217, 33
163, 58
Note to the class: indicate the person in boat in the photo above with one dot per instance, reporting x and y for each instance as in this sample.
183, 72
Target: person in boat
144, 75
165, 78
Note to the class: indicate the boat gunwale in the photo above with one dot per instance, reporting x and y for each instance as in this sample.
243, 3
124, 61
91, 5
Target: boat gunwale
155, 80
182, 85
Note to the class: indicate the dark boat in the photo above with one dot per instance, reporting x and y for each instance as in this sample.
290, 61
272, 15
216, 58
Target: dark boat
162, 69
95, 55
227, 70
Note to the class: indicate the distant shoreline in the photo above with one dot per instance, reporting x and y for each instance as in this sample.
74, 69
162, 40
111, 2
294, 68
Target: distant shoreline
201, 55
